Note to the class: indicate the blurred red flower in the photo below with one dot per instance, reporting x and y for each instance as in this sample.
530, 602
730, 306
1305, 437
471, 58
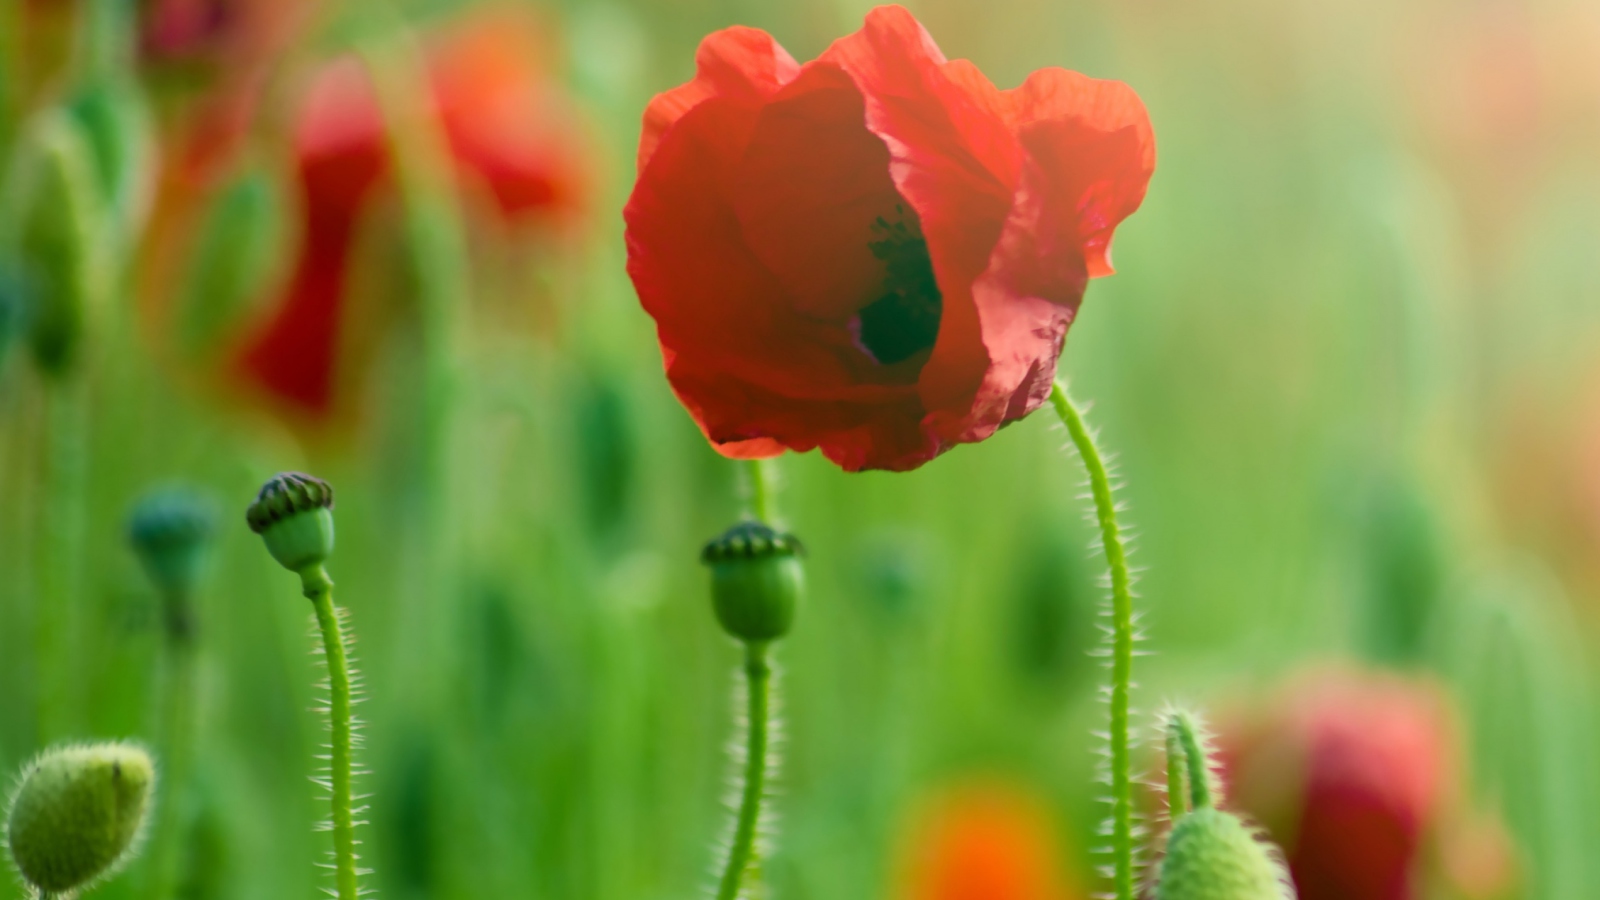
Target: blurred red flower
877, 253
505, 125
984, 841
1353, 775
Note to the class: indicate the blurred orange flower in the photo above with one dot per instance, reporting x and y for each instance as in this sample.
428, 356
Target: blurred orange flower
986, 840
507, 127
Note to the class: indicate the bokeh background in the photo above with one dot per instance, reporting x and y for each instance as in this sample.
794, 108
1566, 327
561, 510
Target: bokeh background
1350, 367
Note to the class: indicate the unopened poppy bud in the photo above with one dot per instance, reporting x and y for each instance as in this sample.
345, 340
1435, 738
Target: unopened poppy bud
1211, 855
77, 813
56, 217
756, 580
170, 530
293, 514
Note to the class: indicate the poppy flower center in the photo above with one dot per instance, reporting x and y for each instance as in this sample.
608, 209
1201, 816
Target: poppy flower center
904, 320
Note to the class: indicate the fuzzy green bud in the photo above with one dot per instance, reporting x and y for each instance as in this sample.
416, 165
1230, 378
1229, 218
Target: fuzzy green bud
756, 580
57, 206
293, 513
170, 529
1211, 855
77, 813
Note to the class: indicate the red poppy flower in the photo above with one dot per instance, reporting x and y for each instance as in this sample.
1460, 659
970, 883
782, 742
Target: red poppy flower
503, 123
877, 253
1351, 775
985, 841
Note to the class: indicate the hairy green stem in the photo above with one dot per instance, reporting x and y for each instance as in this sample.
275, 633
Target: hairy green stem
319, 590
759, 474
1121, 640
742, 854
1177, 796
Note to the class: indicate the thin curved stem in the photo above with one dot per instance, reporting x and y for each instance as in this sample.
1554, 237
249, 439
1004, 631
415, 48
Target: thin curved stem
177, 742
1188, 773
1121, 639
742, 853
760, 489
319, 590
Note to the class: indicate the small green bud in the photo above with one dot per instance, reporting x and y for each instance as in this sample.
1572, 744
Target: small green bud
1211, 855
170, 529
58, 206
293, 514
756, 580
77, 813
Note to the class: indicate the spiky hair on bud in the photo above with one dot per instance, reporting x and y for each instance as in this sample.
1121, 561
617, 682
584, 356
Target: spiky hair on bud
78, 814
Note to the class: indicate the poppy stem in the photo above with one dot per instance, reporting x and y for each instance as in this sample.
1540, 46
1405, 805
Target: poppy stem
319, 590
1121, 639
742, 852
759, 472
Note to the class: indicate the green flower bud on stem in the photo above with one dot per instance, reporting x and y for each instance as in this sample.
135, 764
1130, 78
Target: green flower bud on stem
756, 580
170, 530
58, 205
77, 813
1211, 854
293, 514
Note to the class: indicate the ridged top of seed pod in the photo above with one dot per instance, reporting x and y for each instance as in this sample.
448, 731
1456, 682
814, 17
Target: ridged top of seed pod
171, 517
750, 540
287, 494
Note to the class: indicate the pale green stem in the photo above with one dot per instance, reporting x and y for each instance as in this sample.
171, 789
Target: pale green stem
58, 605
759, 473
319, 590
1121, 640
758, 676
177, 746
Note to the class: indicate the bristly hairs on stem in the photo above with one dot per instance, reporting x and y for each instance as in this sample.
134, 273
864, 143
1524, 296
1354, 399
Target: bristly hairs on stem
756, 584
1121, 634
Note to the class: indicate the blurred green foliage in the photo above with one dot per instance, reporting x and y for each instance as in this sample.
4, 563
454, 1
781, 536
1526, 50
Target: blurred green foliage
1347, 365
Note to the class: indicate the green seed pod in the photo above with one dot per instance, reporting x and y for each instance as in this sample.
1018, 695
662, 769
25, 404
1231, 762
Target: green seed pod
77, 813
1211, 855
56, 207
115, 120
293, 514
170, 529
756, 580
233, 258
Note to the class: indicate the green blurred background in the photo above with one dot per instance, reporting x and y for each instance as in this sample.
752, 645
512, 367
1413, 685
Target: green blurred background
1350, 367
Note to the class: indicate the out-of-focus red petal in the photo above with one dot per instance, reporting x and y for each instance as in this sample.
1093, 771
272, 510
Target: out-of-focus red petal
293, 358
739, 63
293, 355
502, 118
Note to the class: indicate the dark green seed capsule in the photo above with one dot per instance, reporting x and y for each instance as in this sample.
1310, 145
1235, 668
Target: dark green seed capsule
756, 580
293, 514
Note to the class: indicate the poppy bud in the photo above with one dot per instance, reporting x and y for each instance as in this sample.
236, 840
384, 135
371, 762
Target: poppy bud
1211, 855
76, 814
170, 530
756, 580
293, 514
56, 215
